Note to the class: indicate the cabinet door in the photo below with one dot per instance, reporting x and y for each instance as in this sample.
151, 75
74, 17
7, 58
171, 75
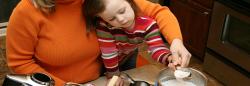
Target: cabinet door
206, 3
194, 22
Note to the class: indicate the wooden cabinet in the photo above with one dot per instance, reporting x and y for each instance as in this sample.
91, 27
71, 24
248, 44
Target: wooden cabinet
205, 3
194, 18
6, 7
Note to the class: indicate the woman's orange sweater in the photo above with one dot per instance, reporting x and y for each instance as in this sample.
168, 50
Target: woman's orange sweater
57, 44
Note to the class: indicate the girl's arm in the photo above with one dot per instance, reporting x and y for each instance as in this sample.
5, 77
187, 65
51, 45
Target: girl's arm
108, 50
156, 46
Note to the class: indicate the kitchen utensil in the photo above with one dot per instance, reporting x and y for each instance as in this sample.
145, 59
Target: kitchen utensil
132, 82
197, 78
185, 73
35, 79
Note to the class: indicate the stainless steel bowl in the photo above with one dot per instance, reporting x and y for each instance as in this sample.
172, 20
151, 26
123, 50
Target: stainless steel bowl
197, 78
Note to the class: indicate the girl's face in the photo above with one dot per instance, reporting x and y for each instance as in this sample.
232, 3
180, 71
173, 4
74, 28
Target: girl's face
118, 13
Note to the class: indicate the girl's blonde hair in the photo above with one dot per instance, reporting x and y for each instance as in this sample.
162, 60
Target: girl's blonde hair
46, 6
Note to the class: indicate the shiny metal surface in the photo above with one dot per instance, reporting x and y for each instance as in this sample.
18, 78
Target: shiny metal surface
36, 79
197, 78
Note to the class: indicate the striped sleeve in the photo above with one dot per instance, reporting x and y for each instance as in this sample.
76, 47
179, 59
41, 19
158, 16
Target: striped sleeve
108, 49
156, 46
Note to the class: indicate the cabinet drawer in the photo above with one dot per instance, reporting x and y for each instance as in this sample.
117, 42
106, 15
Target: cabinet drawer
205, 3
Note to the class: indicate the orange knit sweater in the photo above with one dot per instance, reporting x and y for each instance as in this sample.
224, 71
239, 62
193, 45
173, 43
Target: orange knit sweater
57, 44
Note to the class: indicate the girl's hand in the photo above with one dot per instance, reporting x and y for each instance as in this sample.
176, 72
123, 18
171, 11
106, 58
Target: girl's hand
179, 51
173, 62
115, 81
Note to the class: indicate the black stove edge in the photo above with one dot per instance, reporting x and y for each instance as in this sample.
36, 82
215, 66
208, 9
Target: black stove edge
238, 5
230, 63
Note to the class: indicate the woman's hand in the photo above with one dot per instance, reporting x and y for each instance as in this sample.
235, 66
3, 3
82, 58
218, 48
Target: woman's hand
179, 53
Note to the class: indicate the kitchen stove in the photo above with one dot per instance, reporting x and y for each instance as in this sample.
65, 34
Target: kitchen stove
228, 54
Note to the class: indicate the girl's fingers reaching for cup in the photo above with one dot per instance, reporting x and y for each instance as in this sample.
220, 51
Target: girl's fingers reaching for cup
171, 66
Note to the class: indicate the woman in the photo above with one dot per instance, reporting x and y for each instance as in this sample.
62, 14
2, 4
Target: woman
50, 36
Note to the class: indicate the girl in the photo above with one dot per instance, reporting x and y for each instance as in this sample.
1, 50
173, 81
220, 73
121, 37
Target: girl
120, 29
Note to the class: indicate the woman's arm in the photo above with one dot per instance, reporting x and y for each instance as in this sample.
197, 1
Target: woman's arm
21, 40
169, 27
167, 22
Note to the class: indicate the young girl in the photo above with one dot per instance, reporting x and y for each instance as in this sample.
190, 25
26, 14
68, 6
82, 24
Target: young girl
120, 29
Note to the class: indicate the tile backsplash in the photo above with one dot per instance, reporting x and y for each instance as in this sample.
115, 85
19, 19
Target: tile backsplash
4, 69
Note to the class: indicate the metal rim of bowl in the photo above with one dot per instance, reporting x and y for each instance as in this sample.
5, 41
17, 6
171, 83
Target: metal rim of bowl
202, 74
